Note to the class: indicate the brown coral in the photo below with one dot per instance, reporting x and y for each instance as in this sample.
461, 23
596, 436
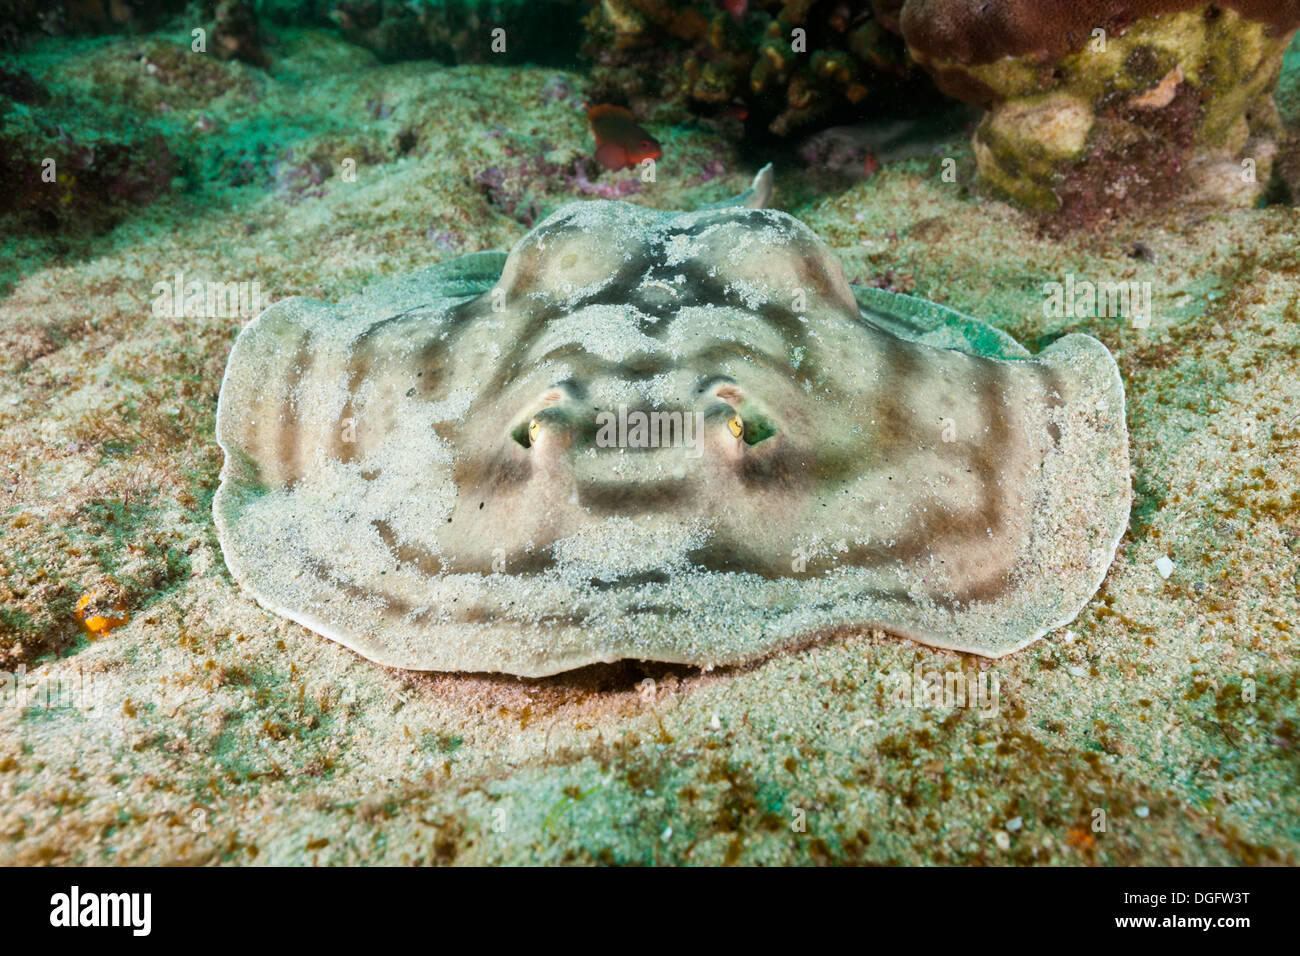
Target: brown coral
975, 32
1100, 104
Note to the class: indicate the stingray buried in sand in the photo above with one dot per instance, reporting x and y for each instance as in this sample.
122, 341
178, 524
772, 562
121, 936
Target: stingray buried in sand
423, 472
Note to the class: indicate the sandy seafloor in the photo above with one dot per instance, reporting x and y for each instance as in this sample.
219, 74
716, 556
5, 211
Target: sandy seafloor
207, 730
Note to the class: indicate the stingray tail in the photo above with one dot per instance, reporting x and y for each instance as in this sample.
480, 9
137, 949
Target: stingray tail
756, 196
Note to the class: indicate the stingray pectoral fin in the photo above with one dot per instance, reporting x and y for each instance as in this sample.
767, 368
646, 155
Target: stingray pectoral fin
459, 278
1078, 503
935, 325
1078, 499
258, 407
333, 470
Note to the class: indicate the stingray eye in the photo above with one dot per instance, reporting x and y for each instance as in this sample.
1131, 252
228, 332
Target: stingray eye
736, 425
533, 428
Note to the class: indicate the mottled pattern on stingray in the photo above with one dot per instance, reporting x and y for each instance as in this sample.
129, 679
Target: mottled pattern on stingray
416, 474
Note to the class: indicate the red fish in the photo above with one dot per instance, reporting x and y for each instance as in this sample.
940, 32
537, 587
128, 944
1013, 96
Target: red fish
736, 8
620, 142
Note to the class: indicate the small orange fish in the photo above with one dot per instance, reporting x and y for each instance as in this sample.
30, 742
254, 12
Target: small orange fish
620, 142
99, 625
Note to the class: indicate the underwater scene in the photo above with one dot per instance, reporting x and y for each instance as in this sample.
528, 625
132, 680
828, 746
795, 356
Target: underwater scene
649, 432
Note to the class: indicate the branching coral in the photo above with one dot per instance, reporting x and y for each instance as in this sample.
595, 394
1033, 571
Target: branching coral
779, 64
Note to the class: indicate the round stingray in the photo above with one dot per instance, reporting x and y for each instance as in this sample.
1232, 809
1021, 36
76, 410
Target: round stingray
454, 471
